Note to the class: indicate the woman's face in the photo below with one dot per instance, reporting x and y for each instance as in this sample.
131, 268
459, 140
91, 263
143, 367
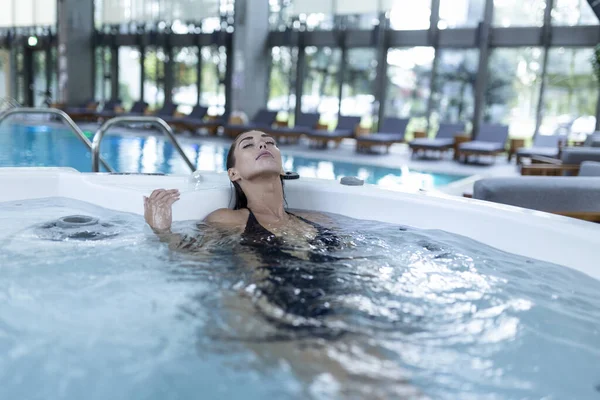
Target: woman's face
256, 155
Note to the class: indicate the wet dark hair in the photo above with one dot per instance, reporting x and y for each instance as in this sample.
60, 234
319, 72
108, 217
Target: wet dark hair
240, 200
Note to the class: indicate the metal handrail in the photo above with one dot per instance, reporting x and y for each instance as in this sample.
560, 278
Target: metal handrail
147, 119
70, 123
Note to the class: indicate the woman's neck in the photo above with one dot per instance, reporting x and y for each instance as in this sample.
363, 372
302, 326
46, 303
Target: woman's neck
265, 196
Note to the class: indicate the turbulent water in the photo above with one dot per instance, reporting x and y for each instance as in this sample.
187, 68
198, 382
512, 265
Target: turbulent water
109, 311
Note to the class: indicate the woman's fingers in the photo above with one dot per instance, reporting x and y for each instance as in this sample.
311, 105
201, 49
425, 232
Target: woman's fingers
156, 193
171, 200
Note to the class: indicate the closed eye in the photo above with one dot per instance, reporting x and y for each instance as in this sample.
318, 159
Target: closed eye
248, 145
273, 143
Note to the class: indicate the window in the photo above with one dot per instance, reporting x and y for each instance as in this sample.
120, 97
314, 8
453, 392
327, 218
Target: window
453, 100
321, 85
4, 73
410, 14
154, 79
460, 13
185, 80
509, 13
282, 79
570, 94
573, 12
103, 58
513, 89
130, 74
409, 83
214, 65
357, 89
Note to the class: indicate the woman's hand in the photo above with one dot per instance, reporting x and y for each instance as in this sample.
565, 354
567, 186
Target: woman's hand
157, 209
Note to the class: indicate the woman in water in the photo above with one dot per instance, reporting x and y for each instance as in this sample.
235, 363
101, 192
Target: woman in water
255, 168
295, 283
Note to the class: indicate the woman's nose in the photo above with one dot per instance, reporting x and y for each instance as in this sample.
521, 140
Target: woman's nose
262, 145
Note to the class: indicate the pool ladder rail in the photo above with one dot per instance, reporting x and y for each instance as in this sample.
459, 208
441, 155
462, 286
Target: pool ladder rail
64, 116
94, 145
158, 122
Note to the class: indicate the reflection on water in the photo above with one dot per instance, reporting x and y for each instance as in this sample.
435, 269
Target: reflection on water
391, 312
37, 146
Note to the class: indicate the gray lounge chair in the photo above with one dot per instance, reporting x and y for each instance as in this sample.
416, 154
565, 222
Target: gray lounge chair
197, 115
543, 145
593, 140
84, 111
578, 197
590, 168
138, 108
261, 121
345, 129
490, 141
167, 111
392, 130
444, 139
305, 123
109, 110
191, 122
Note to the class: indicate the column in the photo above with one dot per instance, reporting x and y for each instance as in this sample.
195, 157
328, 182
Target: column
75, 51
250, 69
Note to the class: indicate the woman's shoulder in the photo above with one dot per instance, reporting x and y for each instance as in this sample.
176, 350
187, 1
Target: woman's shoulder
228, 217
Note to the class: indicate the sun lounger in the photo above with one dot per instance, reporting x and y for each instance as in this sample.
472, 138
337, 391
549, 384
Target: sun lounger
261, 121
305, 123
490, 141
191, 122
444, 139
345, 129
391, 131
543, 145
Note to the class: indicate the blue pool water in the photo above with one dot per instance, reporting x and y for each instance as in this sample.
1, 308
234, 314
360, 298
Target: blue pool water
42, 146
393, 313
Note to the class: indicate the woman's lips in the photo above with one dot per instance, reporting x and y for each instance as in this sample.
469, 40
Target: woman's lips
264, 153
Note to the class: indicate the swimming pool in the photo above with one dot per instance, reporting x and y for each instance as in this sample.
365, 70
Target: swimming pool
25, 146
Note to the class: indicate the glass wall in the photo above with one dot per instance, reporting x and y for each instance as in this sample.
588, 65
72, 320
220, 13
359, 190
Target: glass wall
103, 59
282, 79
214, 66
511, 13
321, 84
513, 90
359, 80
40, 81
570, 94
28, 13
409, 84
410, 14
573, 12
4, 73
130, 75
185, 90
460, 13
154, 79
454, 97
121, 12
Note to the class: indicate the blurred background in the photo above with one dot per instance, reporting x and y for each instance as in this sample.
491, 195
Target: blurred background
525, 63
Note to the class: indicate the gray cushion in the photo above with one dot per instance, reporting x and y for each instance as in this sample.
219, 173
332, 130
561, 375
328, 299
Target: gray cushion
577, 155
382, 137
342, 133
543, 193
593, 140
432, 143
482, 147
589, 168
548, 140
538, 151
